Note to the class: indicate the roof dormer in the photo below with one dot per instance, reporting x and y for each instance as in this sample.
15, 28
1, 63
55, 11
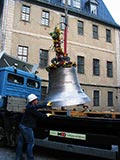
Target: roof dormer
73, 3
93, 6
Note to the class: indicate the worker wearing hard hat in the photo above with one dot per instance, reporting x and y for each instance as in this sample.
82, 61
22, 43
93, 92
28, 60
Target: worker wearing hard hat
27, 125
32, 97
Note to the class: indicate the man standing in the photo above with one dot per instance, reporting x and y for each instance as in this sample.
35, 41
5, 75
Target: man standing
26, 127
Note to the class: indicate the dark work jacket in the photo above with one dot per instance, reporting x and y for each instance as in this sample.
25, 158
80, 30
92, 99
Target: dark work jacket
31, 115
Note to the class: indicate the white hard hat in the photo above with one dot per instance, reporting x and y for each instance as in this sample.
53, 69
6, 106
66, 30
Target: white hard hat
31, 97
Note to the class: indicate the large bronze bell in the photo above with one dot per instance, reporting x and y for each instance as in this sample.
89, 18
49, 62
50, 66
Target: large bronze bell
64, 88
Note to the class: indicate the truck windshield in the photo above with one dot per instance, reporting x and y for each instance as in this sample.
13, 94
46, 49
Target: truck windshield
15, 79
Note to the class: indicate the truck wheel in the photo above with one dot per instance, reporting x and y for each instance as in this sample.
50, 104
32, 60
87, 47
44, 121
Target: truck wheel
2, 137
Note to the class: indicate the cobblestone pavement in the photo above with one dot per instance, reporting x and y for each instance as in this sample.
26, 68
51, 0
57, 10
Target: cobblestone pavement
43, 154
9, 154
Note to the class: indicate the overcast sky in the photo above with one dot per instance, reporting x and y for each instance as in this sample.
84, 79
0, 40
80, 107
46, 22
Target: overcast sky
114, 8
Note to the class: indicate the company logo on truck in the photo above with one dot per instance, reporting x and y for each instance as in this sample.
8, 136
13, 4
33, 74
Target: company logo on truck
67, 135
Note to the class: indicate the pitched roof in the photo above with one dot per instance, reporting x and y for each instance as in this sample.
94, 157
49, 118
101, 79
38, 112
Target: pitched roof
103, 15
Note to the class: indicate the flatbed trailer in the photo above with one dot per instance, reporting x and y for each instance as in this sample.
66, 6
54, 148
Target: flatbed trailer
88, 133
97, 136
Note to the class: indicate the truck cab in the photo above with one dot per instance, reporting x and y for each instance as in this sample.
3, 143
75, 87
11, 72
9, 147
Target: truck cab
15, 86
17, 81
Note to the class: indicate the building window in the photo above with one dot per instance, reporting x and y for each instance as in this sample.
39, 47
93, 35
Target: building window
44, 92
22, 53
110, 98
109, 69
96, 67
25, 13
80, 28
93, 9
95, 32
68, 2
62, 22
80, 64
45, 18
76, 3
96, 98
108, 35
43, 58
92, 6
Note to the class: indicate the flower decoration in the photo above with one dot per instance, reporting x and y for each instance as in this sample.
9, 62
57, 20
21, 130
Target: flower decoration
61, 59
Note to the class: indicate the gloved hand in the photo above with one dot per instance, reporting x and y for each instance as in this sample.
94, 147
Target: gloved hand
48, 114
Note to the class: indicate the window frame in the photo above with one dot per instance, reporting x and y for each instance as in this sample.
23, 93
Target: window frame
80, 27
44, 92
109, 69
96, 67
76, 4
80, 64
43, 59
93, 9
108, 36
23, 54
25, 13
95, 31
96, 98
69, 2
62, 22
110, 98
45, 18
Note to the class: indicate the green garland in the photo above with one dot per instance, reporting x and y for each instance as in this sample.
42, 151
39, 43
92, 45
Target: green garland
61, 59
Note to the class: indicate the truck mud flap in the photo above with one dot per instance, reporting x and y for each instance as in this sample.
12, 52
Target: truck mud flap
90, 151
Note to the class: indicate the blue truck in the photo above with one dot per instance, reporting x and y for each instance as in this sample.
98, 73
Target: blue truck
16, 83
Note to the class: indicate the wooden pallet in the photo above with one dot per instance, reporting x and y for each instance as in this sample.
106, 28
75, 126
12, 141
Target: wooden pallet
72, 113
